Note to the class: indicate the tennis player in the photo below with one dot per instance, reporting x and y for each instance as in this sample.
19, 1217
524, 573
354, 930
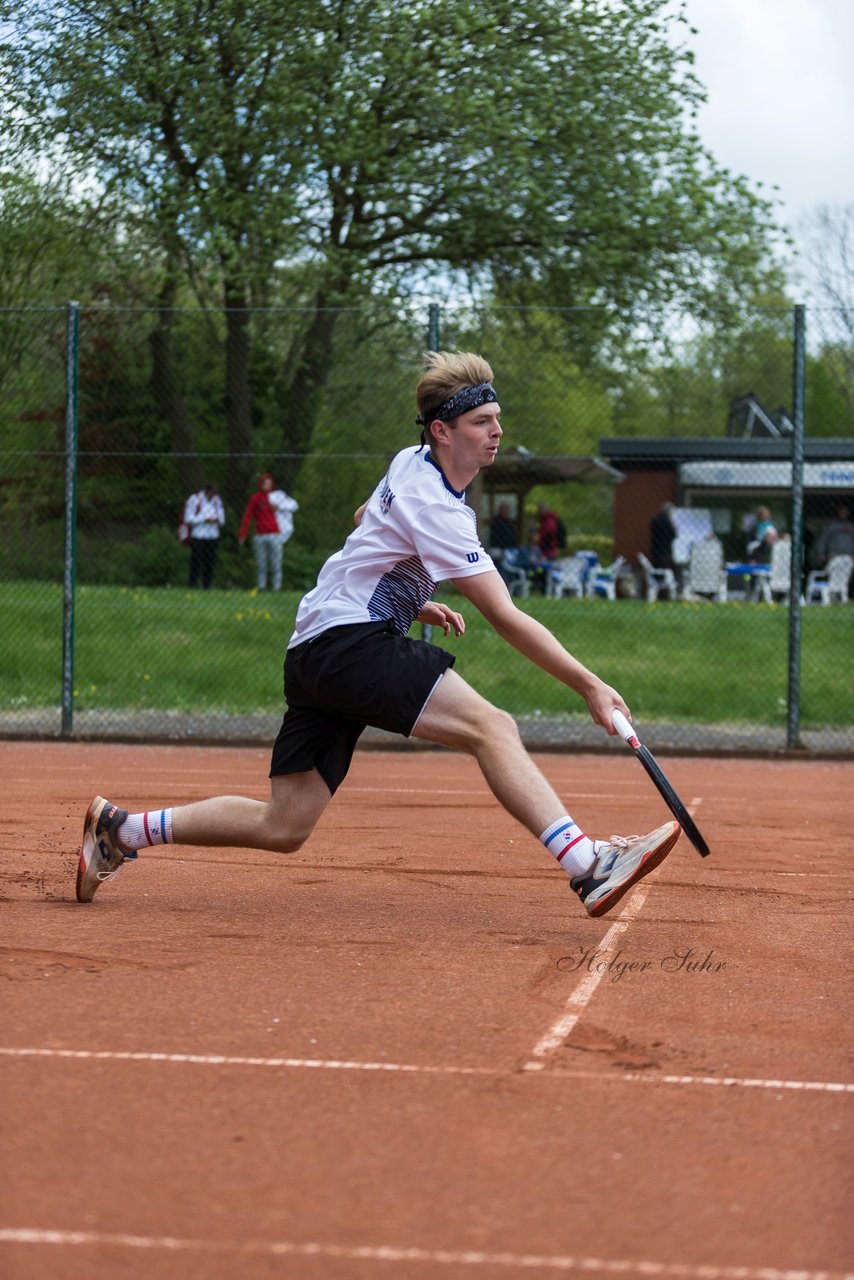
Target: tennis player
351, 663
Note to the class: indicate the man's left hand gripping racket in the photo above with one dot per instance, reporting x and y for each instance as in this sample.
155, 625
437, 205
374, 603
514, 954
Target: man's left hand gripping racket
649, 762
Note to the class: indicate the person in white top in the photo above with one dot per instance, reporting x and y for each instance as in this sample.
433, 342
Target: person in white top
205, 517
284, 506
350, 663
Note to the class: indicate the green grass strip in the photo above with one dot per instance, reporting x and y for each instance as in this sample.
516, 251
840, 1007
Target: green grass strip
222, 651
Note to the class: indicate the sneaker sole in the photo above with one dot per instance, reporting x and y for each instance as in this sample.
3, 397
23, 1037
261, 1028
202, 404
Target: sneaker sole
92, 814
649, 862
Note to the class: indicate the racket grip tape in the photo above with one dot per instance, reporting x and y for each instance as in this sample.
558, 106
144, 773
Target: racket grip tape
621, 724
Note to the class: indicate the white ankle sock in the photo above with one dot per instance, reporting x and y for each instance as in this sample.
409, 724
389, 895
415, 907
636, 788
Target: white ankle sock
139, 830
565, 840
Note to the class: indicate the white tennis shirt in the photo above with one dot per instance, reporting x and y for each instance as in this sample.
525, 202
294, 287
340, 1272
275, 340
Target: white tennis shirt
416, 531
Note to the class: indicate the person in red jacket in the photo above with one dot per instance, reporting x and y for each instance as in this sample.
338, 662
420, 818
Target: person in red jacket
268, 539
548, 533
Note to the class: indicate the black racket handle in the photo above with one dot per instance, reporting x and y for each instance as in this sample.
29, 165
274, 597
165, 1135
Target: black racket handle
662, 783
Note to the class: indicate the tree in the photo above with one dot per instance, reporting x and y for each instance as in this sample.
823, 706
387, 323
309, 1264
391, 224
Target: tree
321, 150
828, 239
688, 384
44, 240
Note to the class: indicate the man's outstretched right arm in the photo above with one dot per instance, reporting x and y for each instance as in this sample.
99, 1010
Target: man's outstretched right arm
488, 593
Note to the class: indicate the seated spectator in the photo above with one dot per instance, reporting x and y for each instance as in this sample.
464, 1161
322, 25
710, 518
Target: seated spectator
532, 559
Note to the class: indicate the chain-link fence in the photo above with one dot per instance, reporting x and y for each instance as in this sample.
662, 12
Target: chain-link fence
657, 504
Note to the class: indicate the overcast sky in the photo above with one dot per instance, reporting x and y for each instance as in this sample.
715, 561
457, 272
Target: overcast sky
780, 95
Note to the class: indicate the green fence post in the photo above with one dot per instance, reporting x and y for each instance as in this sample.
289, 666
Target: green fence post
793, 726
432, 345
72, 352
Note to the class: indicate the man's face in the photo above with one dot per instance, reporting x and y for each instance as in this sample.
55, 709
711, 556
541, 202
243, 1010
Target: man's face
475, 439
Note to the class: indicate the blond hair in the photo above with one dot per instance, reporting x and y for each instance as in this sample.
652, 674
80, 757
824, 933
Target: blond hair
446, 373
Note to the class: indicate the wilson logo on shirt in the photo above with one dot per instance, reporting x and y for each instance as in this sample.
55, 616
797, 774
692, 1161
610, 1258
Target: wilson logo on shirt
472, 556
386, 498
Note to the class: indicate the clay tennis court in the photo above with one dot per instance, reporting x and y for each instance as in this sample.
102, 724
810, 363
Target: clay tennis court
406, 1051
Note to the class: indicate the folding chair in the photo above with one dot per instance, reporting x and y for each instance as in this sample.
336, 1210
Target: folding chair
514, 574
657, 581
779, 581
604, 581
830, 581
566, 577
706, 569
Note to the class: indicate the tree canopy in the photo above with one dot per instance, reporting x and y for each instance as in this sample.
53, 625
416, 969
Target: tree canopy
314, 152
364, 138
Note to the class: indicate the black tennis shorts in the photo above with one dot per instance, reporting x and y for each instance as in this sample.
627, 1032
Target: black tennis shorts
343, 680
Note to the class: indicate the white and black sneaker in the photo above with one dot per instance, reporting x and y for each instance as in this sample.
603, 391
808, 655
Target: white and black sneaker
621, 863
101, 854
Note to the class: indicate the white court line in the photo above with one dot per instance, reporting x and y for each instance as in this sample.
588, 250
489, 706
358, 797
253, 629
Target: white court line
730, 1082
413, 1068
583, 993
391, 1253
228, 1060
578, 1001
813, 875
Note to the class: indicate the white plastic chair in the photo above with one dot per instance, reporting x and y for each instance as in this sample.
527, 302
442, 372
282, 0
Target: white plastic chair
779, 580
657, 580
830, 581
604, 581
566, 576
706, 569
591, 567
514, 575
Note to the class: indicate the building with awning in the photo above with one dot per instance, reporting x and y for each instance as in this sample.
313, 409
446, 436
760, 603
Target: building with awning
517, 470
728, 477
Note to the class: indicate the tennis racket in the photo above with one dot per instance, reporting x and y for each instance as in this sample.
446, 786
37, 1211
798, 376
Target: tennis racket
671, 799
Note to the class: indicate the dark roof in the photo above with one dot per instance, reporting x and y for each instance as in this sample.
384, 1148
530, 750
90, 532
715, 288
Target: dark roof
520, 469
635, 454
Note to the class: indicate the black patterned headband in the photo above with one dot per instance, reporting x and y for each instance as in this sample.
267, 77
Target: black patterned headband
459, 403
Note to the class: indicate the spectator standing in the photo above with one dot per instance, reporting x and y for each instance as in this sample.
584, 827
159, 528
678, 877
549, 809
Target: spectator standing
204, 516
763, 538
284, 506
262, 512
762, 534
662, 535
548, 534
503, 535
837, 536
